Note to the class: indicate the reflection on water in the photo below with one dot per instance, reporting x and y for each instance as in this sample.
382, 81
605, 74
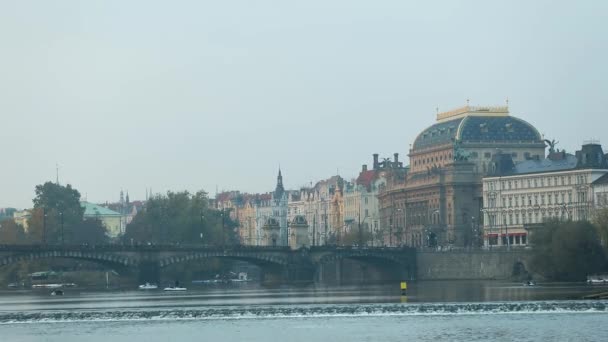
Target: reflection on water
420, 292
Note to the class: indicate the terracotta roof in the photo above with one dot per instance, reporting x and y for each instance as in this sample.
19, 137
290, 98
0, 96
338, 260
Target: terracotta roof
366, 178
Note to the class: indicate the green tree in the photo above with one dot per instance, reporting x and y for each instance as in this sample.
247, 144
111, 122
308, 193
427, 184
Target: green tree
90, 231
56, 207
567, 251
180, 217
600, 221
352, 237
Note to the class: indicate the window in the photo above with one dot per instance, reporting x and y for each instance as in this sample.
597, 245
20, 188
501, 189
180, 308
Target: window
474, 155
514, 155
487, 155
527, 155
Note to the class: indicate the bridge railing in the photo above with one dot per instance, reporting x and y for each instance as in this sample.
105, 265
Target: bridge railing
139, 247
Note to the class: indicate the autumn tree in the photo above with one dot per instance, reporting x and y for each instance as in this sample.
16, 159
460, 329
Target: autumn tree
11, 233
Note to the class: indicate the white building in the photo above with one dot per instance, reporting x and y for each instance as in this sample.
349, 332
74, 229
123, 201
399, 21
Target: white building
518, 196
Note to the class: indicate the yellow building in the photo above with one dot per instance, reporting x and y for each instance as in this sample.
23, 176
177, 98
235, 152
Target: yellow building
110, 219
22, 217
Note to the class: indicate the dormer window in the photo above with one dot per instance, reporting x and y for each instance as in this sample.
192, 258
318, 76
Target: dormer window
483, 127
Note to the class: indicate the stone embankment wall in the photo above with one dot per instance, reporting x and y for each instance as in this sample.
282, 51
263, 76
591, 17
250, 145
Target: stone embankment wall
471, 264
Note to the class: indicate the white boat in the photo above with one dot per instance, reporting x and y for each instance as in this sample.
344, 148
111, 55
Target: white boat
148, 286
529, 283
174, 289
47, 286
597, 279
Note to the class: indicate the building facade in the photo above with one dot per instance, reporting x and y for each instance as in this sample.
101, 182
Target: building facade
111, 220
439, 200
520, 196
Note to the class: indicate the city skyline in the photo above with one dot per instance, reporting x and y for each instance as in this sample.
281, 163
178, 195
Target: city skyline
220, 95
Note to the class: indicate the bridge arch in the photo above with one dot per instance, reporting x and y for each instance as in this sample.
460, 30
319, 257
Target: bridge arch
375, 256
259, 259
100, 257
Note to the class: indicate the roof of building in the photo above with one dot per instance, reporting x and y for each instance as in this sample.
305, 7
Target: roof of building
601, 180
546, 165
590, 156
92, 210
475, 125
366, 178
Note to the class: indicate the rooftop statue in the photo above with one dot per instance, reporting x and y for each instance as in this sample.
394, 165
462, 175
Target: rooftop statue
459, 153
551, 144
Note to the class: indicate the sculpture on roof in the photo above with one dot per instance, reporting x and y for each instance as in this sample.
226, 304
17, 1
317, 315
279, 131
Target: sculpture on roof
551, 144
459, 153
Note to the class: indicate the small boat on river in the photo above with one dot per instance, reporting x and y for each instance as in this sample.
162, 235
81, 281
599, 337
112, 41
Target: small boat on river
148, 286
47, 286
597, 279
57, 293
173, 288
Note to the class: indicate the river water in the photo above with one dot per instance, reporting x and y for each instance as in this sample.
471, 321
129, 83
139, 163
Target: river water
432, 311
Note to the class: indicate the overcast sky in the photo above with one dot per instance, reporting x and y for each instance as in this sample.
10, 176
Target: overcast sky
189, 95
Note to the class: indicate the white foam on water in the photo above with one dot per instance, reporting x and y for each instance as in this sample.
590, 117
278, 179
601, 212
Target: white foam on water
321, 311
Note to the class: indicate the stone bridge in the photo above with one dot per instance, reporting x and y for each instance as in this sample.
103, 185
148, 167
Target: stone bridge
280, 263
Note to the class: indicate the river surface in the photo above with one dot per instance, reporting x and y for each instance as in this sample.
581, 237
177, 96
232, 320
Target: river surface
431, 311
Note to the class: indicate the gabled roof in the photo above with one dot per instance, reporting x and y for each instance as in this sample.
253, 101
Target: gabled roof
366, 178
601, 180
92, 210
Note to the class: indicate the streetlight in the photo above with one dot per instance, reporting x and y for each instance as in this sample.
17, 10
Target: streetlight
202, 226
223, 233
390, 234
61, 215
360, 230
44, 226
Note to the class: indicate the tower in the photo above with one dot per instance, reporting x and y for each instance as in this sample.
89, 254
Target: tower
279, 209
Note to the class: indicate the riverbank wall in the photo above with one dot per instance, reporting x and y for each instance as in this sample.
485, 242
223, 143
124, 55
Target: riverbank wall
472, 264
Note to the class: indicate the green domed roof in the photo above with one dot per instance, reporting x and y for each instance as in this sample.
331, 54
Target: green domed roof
478, 129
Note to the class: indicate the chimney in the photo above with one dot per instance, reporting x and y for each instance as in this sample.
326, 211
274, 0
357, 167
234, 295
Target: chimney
364, 168
375, 161
396, 158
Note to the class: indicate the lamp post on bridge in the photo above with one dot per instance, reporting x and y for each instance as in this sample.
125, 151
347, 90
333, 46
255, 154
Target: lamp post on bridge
61, 215
44, 226
360, 229
390, 234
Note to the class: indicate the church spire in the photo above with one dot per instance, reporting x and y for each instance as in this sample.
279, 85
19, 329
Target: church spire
278, 192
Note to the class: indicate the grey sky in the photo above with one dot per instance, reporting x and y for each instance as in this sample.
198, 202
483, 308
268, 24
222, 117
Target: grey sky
178, 95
